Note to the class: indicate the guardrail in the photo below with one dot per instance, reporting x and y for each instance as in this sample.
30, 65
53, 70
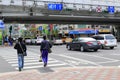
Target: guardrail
73, 9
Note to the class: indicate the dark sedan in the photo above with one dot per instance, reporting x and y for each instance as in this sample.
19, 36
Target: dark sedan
83, 44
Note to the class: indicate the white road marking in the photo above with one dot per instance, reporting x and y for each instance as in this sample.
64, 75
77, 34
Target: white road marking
26, 64
107, 62
71, 62
11, 60
32, 67
78, 59
115, 54
100, 57
24, 61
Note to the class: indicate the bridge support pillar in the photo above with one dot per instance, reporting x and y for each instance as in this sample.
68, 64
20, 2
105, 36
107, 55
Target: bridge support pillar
118, 32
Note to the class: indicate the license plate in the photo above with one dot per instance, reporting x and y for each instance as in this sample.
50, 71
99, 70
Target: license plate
111, 41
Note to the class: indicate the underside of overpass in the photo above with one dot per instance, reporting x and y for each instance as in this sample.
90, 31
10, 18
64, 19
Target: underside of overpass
61, 19
41, 14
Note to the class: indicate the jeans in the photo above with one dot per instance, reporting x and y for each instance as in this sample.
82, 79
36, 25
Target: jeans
20, 61
45, 56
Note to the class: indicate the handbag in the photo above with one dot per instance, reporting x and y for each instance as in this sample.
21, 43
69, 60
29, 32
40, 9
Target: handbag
24, 53
40, 59
49, 50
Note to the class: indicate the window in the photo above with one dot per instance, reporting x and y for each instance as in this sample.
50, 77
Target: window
65, 28
98, 37
109, 37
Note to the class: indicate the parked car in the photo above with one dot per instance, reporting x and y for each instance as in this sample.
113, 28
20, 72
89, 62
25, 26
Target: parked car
39, 40
67, 40
106, 40
83, 44
57, 42
28, 40
33, 41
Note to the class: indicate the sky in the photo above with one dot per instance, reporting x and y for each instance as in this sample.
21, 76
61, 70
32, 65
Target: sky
98, 2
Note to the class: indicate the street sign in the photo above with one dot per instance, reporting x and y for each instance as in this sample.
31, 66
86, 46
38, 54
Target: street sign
98, 9
1, 24
111, 9
40, 28
58, 7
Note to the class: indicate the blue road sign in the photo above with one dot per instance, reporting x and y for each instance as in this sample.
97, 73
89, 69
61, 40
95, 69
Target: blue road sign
40, 28
1, 24
111, 9
55, 7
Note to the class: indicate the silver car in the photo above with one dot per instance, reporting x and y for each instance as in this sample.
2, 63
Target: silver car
106, 40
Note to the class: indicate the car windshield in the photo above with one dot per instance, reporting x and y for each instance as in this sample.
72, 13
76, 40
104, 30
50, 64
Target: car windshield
109, 37
27, 38
98, 37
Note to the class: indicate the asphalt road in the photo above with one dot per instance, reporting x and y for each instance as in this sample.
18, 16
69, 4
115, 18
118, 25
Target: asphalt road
59, 58
103, 57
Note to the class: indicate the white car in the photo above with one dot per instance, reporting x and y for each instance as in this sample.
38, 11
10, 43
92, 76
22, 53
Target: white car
106, 40
58, 41
33, 41
39, 40
28, 40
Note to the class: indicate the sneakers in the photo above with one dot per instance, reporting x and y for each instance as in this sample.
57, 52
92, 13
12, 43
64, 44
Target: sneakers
40, 60
45, 64
19, 69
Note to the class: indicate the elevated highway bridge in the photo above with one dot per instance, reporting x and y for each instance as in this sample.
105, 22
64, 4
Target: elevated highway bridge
41, 14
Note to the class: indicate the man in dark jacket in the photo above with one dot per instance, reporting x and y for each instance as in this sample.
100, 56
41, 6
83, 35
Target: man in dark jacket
21, 48
45, 45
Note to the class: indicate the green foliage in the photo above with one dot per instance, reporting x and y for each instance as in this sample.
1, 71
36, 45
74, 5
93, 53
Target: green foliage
68, 9
105, 11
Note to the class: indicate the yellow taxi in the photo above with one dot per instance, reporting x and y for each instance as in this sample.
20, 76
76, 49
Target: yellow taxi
67, 40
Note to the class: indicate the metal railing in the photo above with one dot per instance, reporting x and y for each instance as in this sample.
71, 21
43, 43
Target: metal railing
75, 9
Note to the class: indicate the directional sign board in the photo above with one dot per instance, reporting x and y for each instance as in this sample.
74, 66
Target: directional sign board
111, 9
1, 24
40, 28
55, 7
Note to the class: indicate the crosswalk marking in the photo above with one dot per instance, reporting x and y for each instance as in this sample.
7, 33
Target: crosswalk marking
26, 64
31, 61
50, 65
25, 59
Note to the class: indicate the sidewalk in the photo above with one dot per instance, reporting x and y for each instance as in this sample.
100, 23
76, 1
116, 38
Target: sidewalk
80, 73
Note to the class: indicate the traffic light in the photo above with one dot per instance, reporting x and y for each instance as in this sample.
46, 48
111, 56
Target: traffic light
10, 30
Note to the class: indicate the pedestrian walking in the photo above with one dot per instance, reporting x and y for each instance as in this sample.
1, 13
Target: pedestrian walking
45, 46
10, 40
21, 48
6, 40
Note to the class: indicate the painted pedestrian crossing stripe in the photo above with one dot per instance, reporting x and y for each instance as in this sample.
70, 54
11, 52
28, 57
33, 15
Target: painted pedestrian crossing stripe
31, 61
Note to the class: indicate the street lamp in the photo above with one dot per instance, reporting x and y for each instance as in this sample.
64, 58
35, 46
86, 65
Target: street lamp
23, 3
35, 3
11, 2
0, 0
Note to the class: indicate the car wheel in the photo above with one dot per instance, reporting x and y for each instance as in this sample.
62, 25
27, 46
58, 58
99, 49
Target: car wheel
68, 47
103, 47
82, 49
111, 47
95, 50
35, 43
